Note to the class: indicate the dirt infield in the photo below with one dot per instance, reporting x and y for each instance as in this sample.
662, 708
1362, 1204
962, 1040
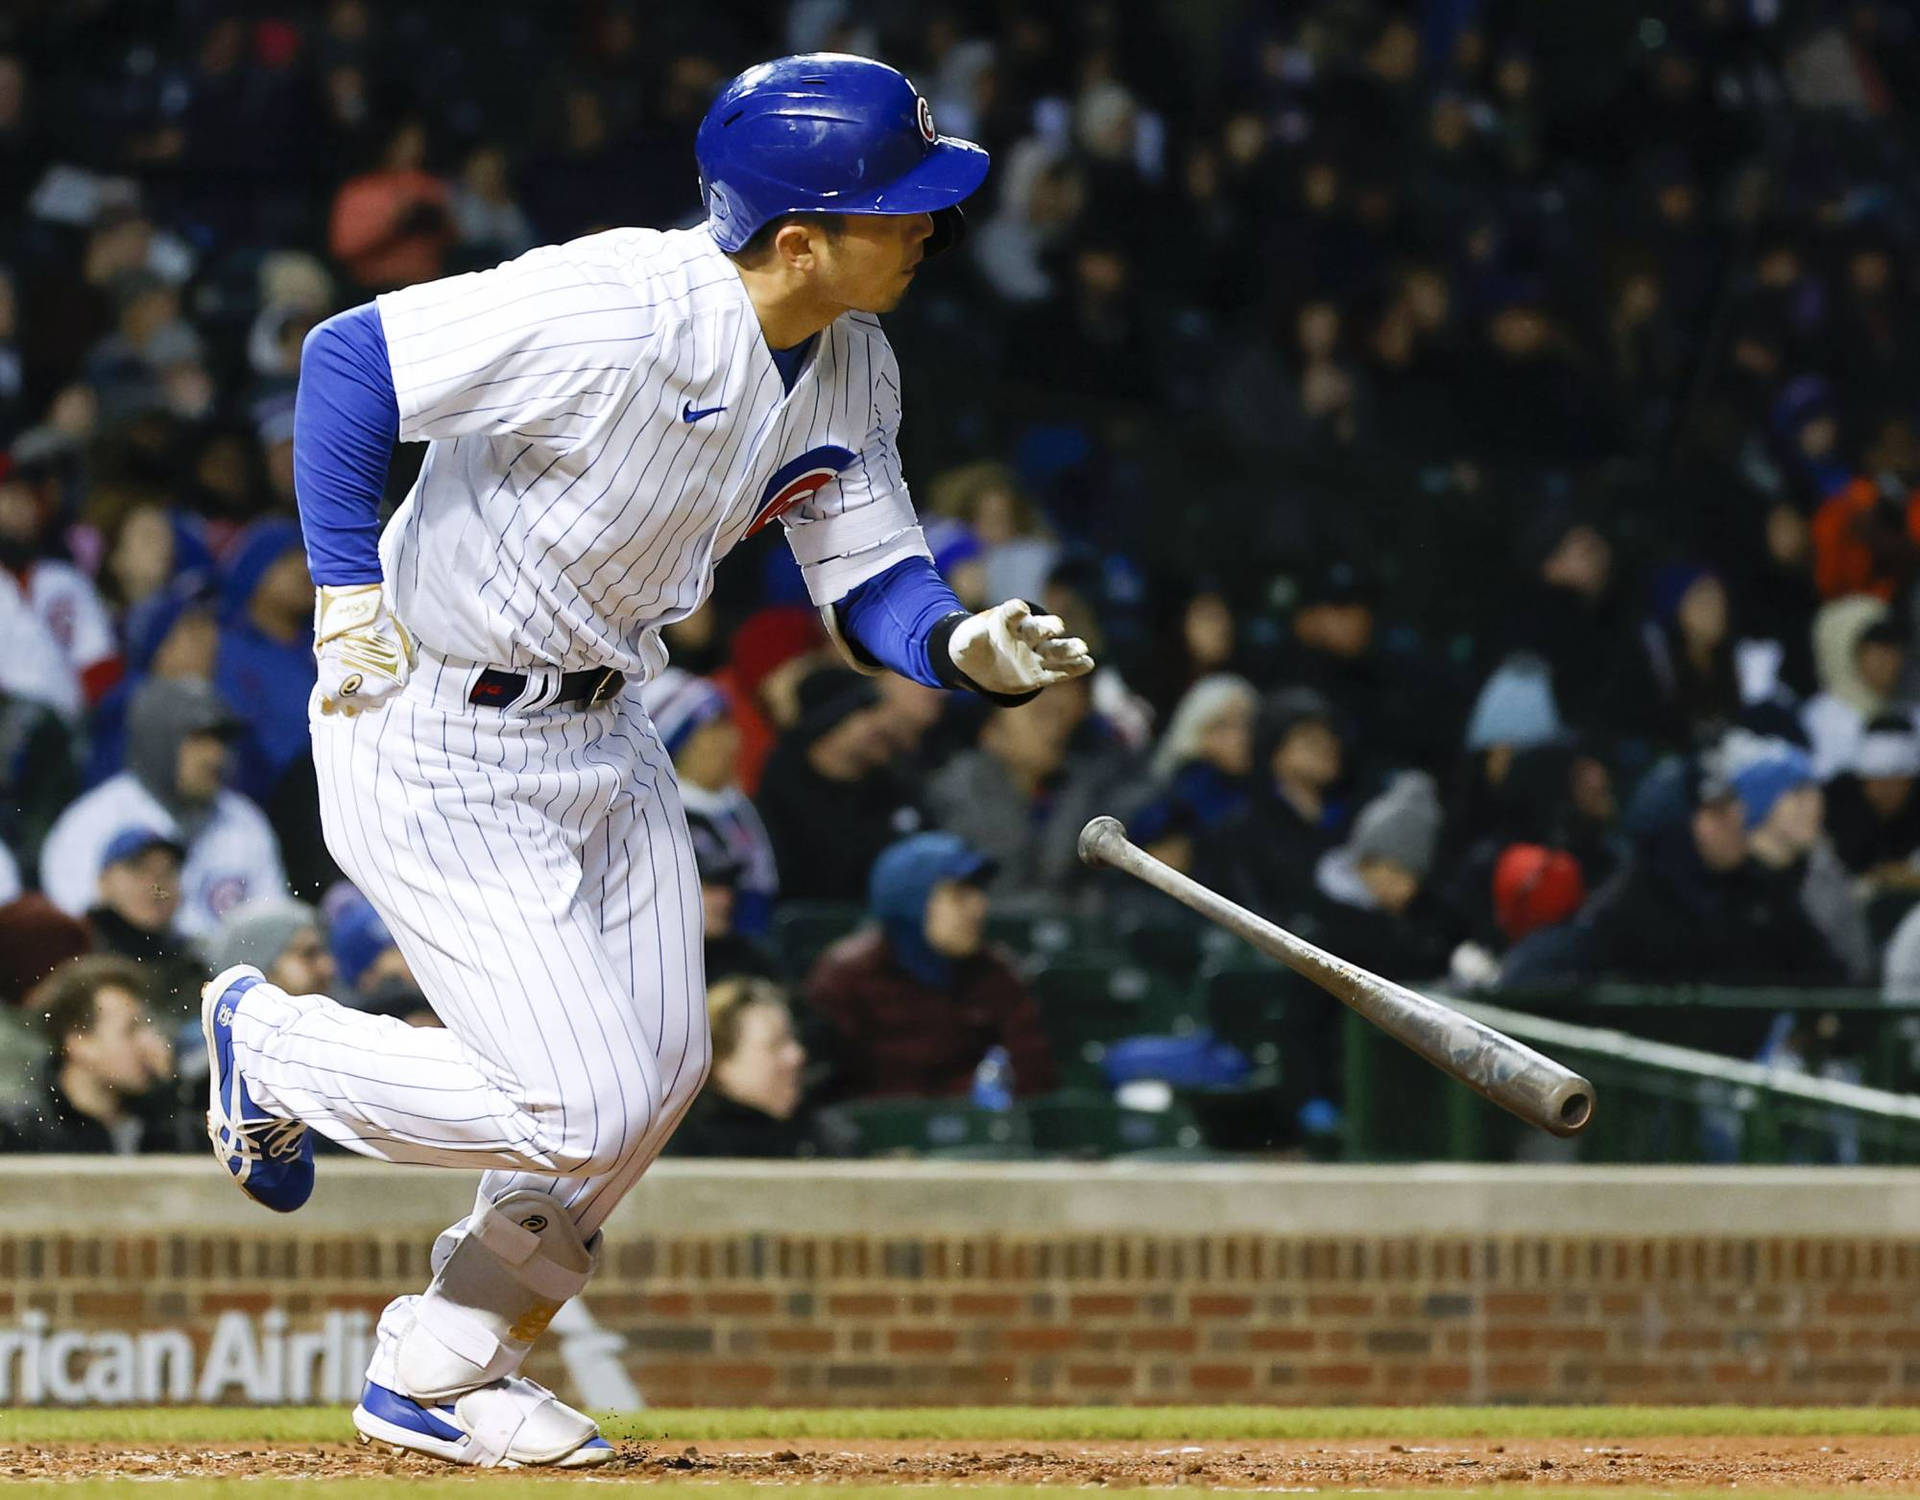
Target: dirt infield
1784, 1464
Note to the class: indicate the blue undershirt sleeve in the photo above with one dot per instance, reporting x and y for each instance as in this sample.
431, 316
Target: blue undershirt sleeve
893, 616
346, 420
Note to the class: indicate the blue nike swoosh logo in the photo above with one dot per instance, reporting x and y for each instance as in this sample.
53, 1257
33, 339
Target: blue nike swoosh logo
688, 414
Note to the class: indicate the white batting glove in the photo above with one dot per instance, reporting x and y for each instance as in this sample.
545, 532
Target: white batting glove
1009, 649
364, 653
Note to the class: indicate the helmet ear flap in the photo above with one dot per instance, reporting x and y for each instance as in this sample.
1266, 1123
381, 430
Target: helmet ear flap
949, 229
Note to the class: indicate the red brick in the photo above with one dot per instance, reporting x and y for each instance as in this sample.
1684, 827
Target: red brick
1101, 1377
1519, 1377
1215, 1379
1164, 1340
669, 1305
985, 1305
1212, 1305
862, 1305
1352, 1375
1106, 1305
246, 1302
1509, 1340
1517, 1305
125, 1308
1691, 1338
1280, 1338
1340, 1307
739, 1304
1858, 1304
1038, 1340
1450, 1379
921, 1340
1587, 1340
800, 1340
739, 1377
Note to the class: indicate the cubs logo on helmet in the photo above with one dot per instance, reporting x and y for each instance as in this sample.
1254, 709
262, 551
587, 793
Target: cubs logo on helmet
798, 480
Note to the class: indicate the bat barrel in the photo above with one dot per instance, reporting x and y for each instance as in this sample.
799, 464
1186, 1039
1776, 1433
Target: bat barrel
1534, 1087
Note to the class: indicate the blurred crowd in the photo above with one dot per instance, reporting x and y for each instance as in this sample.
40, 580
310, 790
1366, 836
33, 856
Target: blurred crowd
1477, 438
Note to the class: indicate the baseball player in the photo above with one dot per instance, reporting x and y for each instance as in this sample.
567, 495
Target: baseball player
605, 420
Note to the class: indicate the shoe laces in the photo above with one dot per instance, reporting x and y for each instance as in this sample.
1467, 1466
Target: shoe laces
269, 1140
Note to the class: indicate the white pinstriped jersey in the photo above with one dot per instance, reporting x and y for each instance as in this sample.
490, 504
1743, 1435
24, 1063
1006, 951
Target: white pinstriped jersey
604, 423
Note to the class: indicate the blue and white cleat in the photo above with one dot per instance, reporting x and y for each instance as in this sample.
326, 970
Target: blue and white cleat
271, 1159
511, 1424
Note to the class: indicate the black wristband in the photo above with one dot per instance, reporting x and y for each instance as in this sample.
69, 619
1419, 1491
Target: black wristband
940, 660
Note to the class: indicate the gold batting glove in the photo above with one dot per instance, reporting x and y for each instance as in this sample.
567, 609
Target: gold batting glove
364, 653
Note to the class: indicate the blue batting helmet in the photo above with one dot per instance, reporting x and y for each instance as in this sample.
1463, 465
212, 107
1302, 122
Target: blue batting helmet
823, 132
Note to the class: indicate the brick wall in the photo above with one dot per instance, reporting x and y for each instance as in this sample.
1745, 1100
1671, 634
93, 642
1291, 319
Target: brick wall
872, 1316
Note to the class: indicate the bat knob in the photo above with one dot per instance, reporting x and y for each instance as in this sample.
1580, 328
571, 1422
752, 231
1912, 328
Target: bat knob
1095, 837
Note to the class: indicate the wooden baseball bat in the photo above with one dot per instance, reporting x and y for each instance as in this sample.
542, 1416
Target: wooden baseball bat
1515, 1077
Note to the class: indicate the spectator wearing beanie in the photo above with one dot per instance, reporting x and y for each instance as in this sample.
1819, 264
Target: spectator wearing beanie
1375, 908
36, 937
829, 799
728, 950
697, 729
368, 962
1873, 814
915, 1003
282, 939
1535, 887
771, 653
133, 918
178, 756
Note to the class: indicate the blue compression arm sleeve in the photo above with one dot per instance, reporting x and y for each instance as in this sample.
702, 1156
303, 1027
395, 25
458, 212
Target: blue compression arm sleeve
346, 420
893, 616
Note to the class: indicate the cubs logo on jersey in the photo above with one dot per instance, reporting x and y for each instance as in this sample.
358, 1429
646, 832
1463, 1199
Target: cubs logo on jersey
799, 480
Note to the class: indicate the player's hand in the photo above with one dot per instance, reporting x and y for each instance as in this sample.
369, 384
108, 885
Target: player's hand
364, 653
1010, 649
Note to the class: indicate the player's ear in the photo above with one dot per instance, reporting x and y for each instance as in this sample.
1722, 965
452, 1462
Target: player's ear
793, 245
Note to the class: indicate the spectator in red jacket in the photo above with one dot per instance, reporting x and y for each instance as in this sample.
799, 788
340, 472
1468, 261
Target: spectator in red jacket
914, 1004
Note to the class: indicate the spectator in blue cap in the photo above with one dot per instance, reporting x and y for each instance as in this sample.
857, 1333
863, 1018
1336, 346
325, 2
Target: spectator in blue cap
133, 917
265, 668
915, 1003
365, 955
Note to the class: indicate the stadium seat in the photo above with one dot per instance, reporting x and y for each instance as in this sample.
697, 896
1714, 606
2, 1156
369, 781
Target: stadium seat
803, 930
1085, 1006
1092, 1125
950, 1128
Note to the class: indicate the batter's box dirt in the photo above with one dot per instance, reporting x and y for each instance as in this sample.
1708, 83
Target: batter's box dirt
1854, 1464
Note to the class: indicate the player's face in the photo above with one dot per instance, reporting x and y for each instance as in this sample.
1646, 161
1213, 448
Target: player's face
869, 265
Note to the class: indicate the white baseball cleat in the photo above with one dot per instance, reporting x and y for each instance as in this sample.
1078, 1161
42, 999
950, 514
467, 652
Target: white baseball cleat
510, 1423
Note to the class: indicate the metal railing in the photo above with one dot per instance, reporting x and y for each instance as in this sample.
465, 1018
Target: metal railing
1658, 1101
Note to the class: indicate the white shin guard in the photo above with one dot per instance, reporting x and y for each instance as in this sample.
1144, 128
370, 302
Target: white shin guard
499, 1277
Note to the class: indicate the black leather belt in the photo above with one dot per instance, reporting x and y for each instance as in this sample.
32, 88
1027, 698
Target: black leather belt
497, 689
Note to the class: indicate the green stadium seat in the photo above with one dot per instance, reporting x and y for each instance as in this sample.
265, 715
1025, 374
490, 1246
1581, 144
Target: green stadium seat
1086, 1006
803, 930
1087, 1124
1251, 1008
928, 1127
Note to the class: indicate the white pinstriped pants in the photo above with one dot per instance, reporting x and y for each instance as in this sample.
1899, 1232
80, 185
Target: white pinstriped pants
534, 867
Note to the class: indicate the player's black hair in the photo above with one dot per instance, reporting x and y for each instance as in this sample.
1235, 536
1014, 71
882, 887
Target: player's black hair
760, 244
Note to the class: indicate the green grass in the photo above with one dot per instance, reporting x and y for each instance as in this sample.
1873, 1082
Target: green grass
1018, 1424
